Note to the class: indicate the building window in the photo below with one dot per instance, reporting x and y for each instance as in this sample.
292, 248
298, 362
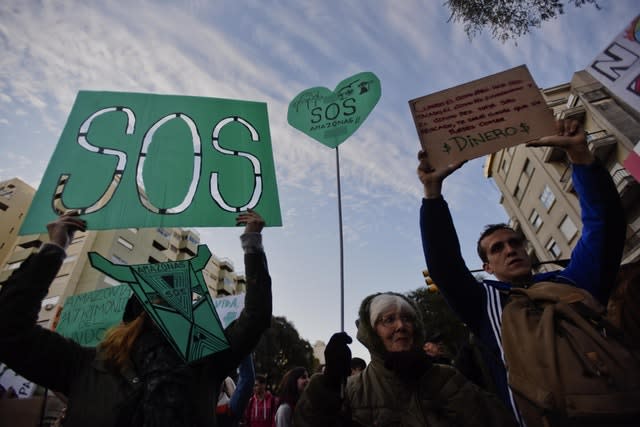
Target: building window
117, 260
503, 165
164, 232
535, 220
111, 282
568, 228
50, 303
547, 197
528, 168
70, 259
517, 193
13, 265
124, 242
3, 206
553, 248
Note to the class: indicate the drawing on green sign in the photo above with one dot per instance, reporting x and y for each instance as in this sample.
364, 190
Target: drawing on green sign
165, 160
332, 117
175, 295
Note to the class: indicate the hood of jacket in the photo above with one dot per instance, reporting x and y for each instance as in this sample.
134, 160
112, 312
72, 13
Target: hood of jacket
368, 336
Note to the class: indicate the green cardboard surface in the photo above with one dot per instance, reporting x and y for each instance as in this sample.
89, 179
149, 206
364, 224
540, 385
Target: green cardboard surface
143, 160
86, 317
332, 117
175, 295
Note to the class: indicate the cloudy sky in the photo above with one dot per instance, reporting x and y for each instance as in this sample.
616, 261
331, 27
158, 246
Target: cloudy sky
269, 51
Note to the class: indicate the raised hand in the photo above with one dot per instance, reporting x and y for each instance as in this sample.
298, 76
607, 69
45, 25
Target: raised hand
570, 137
432, 178
253, 222
62, 229
337, 355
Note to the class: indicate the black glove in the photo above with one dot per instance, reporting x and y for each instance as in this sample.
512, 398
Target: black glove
408, 365
337, 356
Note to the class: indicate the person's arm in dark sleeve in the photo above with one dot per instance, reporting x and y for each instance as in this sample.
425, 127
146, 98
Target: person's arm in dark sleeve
442, 248
36, 353
255, 318
596, 258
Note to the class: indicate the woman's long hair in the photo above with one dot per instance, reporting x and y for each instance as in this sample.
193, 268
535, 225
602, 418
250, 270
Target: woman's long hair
118, 341
288, 389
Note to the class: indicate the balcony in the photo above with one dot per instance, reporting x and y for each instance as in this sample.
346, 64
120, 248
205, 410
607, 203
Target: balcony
576, 113
627, 187
601, 144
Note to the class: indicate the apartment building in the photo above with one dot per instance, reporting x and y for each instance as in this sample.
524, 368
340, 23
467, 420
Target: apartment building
125, 246
15, 199
536, 185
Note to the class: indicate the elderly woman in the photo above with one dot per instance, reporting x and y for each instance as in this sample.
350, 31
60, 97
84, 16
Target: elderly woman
400, 387
133, 378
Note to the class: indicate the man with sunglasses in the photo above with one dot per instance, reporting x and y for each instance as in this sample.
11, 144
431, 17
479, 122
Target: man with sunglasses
594, 261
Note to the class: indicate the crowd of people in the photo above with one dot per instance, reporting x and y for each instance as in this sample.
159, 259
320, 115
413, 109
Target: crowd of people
134, 378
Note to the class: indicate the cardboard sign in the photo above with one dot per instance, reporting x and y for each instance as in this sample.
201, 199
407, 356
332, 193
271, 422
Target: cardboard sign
229, 308
618, 69
332, 117
21, 386
481, 117
618, 66
175, 295
142, 160
86, 317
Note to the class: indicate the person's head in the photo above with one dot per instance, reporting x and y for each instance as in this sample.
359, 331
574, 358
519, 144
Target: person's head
260, 385
292, 384
434, 346
357, 365
119, 340
503, 253
389, 322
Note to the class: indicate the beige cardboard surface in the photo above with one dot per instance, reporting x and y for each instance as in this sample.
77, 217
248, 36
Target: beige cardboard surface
481, 117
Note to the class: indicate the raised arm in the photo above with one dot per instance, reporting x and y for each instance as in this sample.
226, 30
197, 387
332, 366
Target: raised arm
255, 318
442, 248
596, 258
38, 354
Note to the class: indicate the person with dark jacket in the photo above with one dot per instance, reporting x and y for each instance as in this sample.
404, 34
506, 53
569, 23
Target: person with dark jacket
133, 377
594, 260
400, 386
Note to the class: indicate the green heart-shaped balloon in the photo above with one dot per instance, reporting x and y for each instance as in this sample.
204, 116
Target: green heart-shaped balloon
332, 117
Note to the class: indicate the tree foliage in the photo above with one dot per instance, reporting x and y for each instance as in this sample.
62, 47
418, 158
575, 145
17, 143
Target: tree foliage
438, 317
281, 349
507, 19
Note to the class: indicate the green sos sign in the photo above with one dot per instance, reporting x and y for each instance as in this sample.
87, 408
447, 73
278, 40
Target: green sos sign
142, 160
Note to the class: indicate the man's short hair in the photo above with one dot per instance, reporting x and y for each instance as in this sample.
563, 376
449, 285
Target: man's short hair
490, 229
261, 379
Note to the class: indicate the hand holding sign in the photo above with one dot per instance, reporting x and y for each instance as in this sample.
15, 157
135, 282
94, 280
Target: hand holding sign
432, 178
62, 229
570, 136
481, 117
332, 117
